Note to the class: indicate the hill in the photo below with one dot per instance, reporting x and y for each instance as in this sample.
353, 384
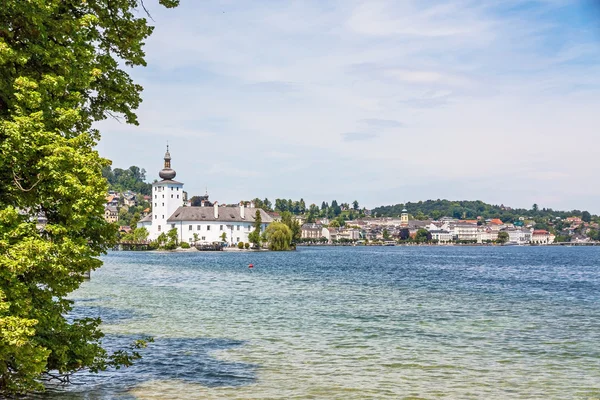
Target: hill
472, 209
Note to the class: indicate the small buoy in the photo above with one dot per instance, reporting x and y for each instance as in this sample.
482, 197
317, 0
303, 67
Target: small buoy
250, 266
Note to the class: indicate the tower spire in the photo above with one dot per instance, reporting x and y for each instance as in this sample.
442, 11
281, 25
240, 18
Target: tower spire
167, 172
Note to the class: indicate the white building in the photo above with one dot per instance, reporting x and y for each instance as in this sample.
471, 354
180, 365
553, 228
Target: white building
196, 224
442, 236
520, 236
464, 231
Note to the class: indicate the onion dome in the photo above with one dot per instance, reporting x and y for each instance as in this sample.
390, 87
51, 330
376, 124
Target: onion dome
167, 173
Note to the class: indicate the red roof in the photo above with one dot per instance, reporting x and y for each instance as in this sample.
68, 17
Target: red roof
496, 221
540, 232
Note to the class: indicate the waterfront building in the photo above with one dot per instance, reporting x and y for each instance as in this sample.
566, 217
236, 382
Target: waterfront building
230, 224
312, 231
519, 235
465, 231
541, 236
441, 236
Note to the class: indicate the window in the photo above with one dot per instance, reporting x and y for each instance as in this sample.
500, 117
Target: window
177, 196
155, 196
177, 189
238, 228
155, 205
155, 216
237, 239
159, 228
163, 217
221, 227
172, 226
163, 196
163, 204
198, 228
171, 187
171, 196
208, 227
203, 237
249, 228
191, 228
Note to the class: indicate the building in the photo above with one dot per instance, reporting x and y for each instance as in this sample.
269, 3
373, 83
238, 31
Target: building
441, 236
542, 236
230, 224
465, 231
519, 235
404, 217
111, 214
312, 231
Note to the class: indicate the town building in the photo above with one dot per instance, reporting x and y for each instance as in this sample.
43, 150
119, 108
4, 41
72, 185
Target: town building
312, 231
111, 214
230, 224
541, 236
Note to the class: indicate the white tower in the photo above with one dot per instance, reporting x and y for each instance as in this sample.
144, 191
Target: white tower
167, 196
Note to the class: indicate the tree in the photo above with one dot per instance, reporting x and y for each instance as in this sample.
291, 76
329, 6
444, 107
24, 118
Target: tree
60, 71
140, 235
404, 234
502, 237
254, 236
386, 234
534, 208
334, 223
288, 219
223, 237
423, 235
355, 205
586, 216
279, 236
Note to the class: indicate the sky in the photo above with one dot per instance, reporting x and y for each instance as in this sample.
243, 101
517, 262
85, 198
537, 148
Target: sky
382, 102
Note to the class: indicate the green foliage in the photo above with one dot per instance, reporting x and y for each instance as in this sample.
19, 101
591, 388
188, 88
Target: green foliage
586, 216
386, 234
502, 237
423, 235
132, 179
137, 235
246, 246
470, 210
254, 236
223, 237
60, 71
288, 219
185, 245
171, 241
279, 236
240, 245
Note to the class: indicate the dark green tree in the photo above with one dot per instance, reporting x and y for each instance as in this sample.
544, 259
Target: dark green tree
254, 236
586, 216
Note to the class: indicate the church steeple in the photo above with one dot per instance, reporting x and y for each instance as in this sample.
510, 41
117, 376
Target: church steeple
167, 172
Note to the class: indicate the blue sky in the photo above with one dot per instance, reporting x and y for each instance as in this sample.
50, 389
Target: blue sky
379, 101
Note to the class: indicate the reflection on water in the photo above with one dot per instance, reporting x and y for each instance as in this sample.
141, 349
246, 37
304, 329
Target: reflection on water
349, 323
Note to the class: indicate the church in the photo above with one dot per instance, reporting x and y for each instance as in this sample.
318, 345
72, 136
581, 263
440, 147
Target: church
196, 224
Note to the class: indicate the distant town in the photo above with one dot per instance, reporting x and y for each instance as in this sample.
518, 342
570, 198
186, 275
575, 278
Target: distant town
132, 203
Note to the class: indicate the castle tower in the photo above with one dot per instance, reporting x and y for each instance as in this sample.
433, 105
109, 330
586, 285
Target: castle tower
167, 196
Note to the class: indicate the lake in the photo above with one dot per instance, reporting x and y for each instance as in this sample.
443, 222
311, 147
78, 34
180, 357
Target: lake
349, 323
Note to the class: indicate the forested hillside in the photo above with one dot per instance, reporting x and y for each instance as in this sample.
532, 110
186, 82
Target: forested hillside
472, 209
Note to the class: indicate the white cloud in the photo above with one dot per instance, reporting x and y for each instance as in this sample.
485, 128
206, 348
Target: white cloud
457, 91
